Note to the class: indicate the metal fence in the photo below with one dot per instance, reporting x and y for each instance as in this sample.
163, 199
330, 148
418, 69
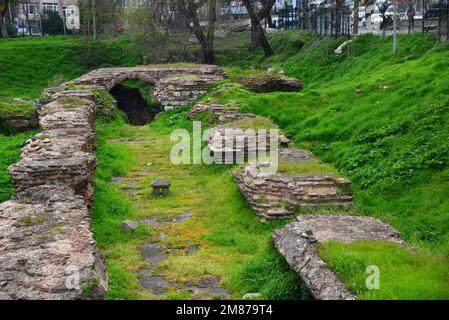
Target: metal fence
332, 20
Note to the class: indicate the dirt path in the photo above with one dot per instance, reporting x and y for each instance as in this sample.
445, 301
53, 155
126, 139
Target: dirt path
168, 241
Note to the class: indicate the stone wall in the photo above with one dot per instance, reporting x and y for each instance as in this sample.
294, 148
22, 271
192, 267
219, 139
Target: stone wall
174, 85
298, 241
46, 242
282, 196
46, 227
219, 112
20, 123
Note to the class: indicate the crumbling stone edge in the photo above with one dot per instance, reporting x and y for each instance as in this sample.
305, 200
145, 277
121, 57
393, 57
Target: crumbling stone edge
47, 250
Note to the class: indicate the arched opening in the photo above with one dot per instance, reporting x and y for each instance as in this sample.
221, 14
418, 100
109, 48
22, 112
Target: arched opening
134, 98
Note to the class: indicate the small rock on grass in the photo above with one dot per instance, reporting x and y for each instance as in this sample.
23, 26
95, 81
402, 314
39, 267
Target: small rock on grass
129, 225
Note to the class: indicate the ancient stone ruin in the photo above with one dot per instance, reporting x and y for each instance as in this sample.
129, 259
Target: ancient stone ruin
265, 83
284, 195
298, 241
47, 250
174, 85
219, 112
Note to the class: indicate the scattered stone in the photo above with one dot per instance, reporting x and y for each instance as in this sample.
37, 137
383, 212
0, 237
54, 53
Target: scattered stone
207, 289
151, 222
182, 217
161, 187
284, 141
163, 236
156, 285
129, 225
153, 253
298, 241
293, 155
191, 249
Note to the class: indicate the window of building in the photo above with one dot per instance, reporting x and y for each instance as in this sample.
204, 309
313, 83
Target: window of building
50, 6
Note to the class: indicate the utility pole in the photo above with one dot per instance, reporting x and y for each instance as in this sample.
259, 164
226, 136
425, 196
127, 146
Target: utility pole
395, 27
94, 24
10, 13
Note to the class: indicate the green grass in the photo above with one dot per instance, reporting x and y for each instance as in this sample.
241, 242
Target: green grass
309, 168
10, 153
11, 109
53, 60
234, 245
392, 139
402, 274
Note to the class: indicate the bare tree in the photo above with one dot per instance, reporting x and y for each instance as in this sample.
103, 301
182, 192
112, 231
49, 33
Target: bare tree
256, 27
3, 9
191, 7
355, 28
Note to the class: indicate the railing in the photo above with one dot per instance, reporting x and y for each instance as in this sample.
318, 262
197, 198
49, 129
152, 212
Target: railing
333, 20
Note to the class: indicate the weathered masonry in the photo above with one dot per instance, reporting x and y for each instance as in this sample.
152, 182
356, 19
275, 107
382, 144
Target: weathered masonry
47, 250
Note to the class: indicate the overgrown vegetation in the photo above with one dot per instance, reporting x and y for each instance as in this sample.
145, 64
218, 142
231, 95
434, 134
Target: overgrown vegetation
208, 192
380, 119
402, 274
10, 153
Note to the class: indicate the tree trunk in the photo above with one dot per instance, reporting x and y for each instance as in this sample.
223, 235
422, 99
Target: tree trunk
258, 30
338, 9
254, 37
206, 43
3, 31
305, 8
355, 28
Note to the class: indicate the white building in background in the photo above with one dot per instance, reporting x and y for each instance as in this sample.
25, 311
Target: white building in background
29, 14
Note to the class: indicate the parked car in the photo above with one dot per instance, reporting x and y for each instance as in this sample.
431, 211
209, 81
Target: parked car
376, 18
401, 12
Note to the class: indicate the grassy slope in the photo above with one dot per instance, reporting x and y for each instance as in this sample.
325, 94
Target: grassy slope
235, 246
392, 139
53, 60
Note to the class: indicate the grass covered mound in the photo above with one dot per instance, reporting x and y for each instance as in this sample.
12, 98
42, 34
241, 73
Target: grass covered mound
402, 274
380, 119
16, 109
